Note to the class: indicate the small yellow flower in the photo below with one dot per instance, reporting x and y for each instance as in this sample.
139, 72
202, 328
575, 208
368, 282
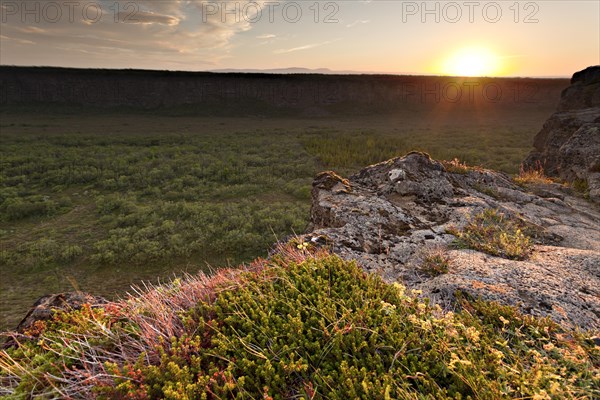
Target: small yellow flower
548, 346
497, 354
455, 360
426, 325
387, 307
472, 334
399, 287
302, 246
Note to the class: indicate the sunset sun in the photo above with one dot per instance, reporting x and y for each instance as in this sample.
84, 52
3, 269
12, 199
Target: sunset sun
472, 62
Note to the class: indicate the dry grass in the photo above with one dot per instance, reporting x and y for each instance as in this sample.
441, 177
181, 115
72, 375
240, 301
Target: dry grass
435, 261
532, 176
455, 166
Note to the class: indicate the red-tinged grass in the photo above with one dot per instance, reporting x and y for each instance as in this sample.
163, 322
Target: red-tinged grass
528, 176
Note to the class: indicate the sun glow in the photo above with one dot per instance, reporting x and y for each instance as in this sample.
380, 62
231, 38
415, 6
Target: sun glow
473, 61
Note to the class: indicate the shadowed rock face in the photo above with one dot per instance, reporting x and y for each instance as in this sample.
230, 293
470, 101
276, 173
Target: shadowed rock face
240, 94
568, 146
389, 215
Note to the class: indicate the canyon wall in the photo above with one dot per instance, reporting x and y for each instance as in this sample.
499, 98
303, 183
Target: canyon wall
309, 94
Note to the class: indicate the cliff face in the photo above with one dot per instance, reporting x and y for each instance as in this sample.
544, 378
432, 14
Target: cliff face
568, 146
391, 217
254, 93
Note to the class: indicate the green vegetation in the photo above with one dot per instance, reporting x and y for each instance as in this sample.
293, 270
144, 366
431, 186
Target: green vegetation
495, 233
488, 190
435, 261
347, 151
94, 201
98, 201
298, 326
582, 187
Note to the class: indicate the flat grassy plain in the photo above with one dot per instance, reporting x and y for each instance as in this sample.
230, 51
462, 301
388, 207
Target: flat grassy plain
99, 201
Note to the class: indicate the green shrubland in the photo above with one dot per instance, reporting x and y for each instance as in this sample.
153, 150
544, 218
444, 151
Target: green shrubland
99, 201
300, 325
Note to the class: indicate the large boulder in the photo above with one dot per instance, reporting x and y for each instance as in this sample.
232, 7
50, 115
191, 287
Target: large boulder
568, 146
389, 215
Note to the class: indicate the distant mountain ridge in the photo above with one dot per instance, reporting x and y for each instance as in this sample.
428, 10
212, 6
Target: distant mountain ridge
290, 70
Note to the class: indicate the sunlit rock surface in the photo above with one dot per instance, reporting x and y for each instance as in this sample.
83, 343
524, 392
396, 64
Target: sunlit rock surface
389, 215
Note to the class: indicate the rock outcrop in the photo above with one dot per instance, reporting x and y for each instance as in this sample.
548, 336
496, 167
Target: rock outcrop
389, 215
45, 307
568, 146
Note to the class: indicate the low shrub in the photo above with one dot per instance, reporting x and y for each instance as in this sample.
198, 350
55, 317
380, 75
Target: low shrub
488, 190
495, 233
582, 187
297, 326
435, 261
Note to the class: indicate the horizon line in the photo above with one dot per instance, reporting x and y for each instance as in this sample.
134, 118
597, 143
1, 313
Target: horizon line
281, 71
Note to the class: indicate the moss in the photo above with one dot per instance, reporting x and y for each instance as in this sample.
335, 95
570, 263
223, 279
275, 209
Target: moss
490, 191
581, 186
301, 326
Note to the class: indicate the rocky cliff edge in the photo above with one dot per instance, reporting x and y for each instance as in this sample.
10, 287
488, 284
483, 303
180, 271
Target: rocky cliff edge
391, 216
568, 146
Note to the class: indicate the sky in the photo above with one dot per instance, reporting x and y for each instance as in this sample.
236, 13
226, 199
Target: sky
501, 38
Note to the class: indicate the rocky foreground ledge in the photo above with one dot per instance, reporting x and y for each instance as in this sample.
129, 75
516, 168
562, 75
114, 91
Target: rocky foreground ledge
389, 216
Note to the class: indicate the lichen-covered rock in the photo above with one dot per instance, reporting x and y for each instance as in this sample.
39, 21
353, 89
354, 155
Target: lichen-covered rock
400, 209
568, 146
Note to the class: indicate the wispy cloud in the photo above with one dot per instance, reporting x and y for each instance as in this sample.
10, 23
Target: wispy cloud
305, 47
141, 34
145, 17
358, 22
266, 36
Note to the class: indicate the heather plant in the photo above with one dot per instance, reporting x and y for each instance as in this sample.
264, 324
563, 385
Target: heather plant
304, 324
